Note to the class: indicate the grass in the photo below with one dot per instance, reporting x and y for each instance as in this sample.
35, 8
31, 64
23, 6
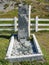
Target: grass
43, 39
10, 14
4, 42
7, 22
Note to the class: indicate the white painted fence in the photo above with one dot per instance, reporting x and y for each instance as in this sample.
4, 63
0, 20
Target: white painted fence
9, 19
39, 24
36, 24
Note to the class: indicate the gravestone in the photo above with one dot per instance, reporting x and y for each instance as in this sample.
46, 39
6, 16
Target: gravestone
23, 49
23, 22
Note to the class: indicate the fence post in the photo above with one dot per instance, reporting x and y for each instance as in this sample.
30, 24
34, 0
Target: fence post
36, 25
15, 24
29, 19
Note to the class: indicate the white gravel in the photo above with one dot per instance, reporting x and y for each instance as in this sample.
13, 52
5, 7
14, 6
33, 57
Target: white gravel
22, 48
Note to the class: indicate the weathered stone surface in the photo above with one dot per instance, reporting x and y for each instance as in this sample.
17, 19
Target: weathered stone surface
23, 22
22, 48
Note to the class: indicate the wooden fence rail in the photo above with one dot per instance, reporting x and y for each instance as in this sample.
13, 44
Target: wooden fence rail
36, 24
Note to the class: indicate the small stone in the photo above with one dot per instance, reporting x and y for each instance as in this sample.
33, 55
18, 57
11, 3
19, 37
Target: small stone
31, 51
18, 46
20, 52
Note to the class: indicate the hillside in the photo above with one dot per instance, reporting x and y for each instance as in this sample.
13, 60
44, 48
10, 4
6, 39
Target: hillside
39, 7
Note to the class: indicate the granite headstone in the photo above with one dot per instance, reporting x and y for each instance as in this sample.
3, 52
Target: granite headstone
23, 22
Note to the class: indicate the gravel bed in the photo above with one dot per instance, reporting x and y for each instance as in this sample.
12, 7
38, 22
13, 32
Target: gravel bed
22, 47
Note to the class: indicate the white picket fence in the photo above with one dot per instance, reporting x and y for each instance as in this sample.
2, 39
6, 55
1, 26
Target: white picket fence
36, 24
9, 19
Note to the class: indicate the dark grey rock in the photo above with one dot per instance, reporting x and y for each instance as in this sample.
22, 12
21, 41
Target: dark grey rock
23, 22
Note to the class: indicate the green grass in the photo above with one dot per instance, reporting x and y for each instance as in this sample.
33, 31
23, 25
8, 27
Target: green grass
7, 22
41, 0
9, 14
4, 42
42, 22
43, 39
